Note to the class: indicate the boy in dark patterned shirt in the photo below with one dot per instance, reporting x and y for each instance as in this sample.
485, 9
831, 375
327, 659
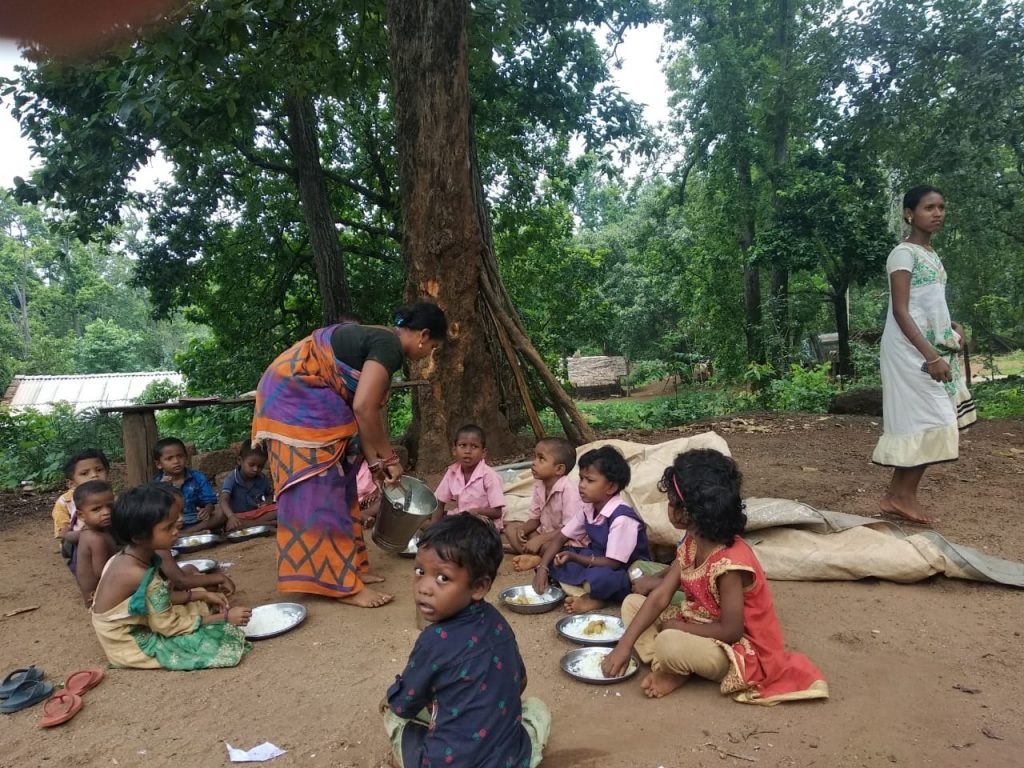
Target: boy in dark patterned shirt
457, 703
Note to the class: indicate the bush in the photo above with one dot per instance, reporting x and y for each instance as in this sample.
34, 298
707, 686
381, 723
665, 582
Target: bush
658, 413
643, 372
210, 429
803, 389
33, 445
1000, 399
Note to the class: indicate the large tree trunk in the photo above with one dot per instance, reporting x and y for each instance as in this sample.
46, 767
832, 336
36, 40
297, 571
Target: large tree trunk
316, 206
446, 240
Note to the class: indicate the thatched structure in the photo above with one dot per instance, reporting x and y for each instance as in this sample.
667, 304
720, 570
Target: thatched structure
598, 376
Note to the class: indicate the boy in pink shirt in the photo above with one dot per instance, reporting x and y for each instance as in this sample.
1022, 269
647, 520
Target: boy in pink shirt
555, 500
469, 485
614, 534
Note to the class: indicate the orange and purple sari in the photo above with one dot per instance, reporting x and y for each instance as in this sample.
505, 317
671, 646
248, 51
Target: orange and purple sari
305, 421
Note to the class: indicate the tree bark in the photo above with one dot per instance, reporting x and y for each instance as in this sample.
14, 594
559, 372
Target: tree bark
316, 206
781, 121
446, 238
844, 365
751, 273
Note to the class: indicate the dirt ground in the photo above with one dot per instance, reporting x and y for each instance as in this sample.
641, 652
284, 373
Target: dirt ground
920, 675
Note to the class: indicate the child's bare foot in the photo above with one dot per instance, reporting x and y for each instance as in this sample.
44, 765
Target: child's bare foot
659, 684
910, 510
368, 598
582, 604
371, 578
525, 562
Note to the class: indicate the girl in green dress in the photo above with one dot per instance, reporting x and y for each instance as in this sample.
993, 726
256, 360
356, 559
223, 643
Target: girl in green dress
139, 619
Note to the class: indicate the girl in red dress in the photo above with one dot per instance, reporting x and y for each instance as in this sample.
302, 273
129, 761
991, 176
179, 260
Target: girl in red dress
726, 629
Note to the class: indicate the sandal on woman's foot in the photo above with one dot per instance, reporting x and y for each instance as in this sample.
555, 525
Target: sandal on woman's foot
25, 695
83, 680
17, 677
60, 708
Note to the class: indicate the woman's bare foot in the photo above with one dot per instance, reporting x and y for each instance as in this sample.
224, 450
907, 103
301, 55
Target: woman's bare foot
371, 578
911, 511
525, 562
368, 598
582, 604
659, 684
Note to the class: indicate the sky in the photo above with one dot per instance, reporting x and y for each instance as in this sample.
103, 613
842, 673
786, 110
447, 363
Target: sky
640, 76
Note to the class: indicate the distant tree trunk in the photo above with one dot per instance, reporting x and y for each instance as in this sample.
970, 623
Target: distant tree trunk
446, 242
781, 121
316, 206
751, 273
844, 365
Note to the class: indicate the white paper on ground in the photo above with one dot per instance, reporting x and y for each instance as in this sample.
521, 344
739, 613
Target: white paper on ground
259, 754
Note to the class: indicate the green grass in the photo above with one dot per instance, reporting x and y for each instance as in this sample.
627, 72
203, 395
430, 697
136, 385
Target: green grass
656, 413
1011, 364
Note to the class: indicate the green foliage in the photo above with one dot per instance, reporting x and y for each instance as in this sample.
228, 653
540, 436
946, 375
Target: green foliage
1000, 399
209, 428
399, 411
866, 363
644, 372
160, 391
34, 446
72, 307
213, 366
801, 389
105, 346
658, 413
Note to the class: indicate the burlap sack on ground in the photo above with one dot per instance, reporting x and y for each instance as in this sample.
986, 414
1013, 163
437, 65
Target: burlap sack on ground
794, 542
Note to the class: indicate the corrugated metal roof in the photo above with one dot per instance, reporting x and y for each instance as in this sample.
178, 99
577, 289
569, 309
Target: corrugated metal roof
93, 390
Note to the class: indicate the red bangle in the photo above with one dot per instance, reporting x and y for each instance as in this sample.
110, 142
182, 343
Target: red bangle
225, 612
391, 460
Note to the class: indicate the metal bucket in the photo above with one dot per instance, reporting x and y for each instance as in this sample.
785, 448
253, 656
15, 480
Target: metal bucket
403, 509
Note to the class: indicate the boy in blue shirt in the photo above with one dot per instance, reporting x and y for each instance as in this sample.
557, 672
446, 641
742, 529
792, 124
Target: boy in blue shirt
246, 496
171, 459
458, 701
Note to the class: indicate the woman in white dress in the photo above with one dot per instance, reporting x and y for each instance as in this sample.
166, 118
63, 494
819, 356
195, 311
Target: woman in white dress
924, 397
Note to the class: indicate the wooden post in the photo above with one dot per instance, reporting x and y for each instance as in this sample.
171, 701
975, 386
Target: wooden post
138, 429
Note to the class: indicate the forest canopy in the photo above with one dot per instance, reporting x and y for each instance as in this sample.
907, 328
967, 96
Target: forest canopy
757, 217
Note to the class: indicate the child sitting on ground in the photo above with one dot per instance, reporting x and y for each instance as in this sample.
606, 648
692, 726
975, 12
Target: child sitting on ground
469, 485
556, 498
614, 534
171, 459
726, 629
139, 619
90, 464
458, 701
246, 494
94, 501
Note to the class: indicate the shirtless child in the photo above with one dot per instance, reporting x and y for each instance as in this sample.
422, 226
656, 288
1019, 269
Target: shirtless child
94, 501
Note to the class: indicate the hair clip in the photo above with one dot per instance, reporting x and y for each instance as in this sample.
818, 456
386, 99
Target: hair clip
675, 484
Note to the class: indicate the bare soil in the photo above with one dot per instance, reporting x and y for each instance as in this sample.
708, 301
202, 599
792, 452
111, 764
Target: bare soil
920, 675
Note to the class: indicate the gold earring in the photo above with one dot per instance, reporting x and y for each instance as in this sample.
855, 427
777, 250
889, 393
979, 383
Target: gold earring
421, 345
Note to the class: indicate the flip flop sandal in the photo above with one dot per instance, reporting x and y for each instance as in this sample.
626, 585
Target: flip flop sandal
60, 708
83, 680
17, 677
25, 695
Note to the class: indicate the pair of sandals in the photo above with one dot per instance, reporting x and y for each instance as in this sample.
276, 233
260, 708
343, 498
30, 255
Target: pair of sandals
24, 688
